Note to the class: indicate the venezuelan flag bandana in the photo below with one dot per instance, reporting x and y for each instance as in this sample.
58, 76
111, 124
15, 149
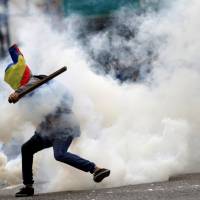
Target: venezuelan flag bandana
17, 73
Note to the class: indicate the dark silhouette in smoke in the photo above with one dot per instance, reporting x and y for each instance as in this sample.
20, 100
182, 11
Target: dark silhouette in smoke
57, 130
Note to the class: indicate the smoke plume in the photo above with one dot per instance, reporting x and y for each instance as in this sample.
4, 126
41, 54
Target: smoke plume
143, 131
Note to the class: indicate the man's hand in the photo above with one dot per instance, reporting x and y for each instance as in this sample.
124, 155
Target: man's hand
13, 98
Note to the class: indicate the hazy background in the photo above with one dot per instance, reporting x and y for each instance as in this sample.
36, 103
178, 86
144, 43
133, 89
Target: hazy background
144, 128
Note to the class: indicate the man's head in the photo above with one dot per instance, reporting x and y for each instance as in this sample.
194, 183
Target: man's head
17, 73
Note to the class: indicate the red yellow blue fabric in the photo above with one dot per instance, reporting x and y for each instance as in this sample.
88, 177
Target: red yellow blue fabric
17, 73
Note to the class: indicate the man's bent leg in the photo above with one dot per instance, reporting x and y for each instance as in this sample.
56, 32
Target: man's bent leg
60, 148
33, 145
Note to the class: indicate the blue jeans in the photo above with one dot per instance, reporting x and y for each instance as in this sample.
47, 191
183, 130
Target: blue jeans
60, 147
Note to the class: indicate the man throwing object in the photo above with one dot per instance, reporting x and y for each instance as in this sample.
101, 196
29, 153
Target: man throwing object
57, 130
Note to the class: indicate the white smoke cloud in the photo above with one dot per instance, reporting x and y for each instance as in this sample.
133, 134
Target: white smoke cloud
142, 132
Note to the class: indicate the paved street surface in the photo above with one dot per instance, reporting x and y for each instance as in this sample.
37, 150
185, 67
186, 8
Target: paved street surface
183, 187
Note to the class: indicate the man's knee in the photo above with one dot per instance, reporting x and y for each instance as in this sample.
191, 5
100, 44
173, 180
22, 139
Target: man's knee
61, 156
58, 156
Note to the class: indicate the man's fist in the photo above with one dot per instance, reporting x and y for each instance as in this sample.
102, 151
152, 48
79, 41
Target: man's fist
13, 98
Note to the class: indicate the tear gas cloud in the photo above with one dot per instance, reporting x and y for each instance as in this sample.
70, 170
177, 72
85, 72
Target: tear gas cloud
143, 131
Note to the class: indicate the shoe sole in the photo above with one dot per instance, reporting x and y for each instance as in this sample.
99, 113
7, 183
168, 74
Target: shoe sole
25, 195
98, 178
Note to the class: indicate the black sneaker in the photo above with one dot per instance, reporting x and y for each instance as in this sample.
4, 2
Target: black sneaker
25, 192
100, 174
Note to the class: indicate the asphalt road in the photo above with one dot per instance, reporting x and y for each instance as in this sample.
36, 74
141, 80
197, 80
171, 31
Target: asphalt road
184, 187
